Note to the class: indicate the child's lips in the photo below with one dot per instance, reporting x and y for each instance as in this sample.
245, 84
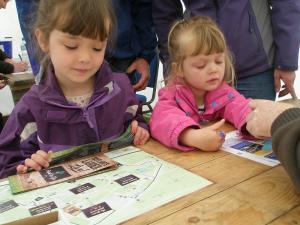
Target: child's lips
213, 80
81, 70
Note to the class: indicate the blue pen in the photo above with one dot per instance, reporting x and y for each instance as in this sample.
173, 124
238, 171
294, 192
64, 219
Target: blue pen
20, 57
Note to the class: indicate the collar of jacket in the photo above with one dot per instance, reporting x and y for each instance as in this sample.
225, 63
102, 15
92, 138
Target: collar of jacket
50, 91
213, 100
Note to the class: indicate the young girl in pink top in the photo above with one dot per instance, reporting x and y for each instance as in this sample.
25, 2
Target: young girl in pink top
198, 89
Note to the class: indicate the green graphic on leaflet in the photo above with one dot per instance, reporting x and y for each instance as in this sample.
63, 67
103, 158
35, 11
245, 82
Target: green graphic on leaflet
71, 163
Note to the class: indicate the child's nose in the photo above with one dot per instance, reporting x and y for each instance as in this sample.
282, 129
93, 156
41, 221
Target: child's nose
84, 57
212, 67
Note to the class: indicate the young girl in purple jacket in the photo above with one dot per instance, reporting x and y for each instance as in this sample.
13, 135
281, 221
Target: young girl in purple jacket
198, 90
79, 100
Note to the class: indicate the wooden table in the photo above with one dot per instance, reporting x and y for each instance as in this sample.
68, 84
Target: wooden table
19, 83
243, 192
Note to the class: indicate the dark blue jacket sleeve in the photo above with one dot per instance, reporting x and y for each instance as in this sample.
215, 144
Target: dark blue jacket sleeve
285, 16
4, 66
142, 19
165, 13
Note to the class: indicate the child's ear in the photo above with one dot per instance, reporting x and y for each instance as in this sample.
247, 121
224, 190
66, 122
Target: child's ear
176, 69
41, 40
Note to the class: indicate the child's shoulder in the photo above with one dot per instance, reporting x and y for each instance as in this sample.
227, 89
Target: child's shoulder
30, 98
118, 77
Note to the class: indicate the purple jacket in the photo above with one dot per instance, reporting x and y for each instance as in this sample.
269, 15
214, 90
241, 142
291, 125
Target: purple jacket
259, 37
177, 110
43, 119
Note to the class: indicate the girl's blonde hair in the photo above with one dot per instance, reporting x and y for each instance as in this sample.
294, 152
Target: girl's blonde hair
92, 19
206, 38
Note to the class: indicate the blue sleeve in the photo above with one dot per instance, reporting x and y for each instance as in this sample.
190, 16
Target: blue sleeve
142, 19
285, 15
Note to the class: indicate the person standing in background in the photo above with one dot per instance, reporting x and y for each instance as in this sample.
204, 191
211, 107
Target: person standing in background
26, 10
263, 35
135, 44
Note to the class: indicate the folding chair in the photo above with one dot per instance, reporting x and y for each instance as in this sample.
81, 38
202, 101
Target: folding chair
154, 64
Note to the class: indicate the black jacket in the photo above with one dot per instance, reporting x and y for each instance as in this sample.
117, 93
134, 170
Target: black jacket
4, 66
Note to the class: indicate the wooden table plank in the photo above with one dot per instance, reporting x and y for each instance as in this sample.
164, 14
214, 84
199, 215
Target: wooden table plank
19, 84
258, 200
292, 217
225, 172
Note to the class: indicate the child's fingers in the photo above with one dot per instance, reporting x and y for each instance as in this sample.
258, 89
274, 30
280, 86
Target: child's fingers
141, 136
144, 137
134, 126
137, 137
32, 164
21, 169
45, 155
217, 125
50, 154
42, 160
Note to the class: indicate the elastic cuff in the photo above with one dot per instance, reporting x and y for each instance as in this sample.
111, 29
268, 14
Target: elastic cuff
284, 118
287, 68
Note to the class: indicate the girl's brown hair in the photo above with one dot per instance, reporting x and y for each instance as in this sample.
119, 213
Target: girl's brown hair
206, 38
92, 19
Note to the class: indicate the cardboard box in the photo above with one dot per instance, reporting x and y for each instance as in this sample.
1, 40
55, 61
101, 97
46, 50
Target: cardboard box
37, 220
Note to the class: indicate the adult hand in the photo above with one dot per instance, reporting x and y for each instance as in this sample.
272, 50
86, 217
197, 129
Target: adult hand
288, 78
142, 66
259, 121
18, 66
38, 160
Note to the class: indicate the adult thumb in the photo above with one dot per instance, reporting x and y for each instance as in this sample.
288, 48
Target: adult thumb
131, 68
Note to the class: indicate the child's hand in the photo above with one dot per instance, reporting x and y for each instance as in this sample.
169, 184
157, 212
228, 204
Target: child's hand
141, 135
207, 139
38, 160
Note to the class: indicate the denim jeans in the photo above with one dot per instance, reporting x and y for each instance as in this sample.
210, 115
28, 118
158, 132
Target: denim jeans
26, 10
260, 85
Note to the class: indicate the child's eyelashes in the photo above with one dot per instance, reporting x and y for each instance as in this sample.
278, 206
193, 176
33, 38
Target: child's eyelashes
97, 49
71, 47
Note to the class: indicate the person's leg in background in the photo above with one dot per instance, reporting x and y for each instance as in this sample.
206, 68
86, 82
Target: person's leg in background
26, 12
259, 86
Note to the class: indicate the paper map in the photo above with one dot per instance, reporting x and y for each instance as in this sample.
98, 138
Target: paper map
142, 182
257, 150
